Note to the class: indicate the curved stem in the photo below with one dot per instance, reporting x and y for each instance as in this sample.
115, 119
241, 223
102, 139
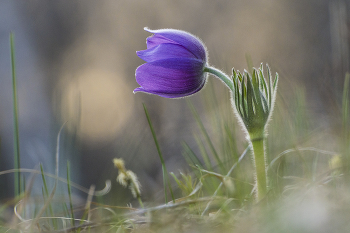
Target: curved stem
221, 75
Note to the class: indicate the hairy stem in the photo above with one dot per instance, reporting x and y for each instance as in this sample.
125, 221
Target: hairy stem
260, 167
221, 75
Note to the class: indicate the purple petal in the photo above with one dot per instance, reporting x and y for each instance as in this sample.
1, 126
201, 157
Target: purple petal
185, 39
171, 77
190, 66
170, 94
164, 51
155, 40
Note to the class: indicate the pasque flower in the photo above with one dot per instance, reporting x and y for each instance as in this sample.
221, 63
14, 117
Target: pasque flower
177, 66
176, 62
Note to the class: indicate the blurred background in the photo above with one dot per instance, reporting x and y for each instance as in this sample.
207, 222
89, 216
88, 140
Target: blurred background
76, 62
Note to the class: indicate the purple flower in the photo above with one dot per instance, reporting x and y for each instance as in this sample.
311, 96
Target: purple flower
175, 64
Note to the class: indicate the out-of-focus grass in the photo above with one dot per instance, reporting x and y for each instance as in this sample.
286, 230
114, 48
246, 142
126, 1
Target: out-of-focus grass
307, 191
166, 183
308, 182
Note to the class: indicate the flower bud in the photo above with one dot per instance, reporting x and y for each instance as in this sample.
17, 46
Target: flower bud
254, 100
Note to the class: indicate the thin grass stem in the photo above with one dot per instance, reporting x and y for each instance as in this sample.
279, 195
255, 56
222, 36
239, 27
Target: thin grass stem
48, 201
227, 175
206, 135
346, 126
165, 173
46, 194
70, 194
17, 157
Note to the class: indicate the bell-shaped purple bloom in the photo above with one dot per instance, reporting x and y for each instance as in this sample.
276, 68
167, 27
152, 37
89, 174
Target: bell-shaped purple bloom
175, 64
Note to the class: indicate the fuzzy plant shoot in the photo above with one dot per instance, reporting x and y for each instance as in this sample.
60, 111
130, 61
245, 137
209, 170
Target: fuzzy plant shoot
177, 66
253, 102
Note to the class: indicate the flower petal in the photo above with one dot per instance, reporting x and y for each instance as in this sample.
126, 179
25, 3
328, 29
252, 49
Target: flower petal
164, 51
169, 76
170, 94
189, 41
190, 66
155, 40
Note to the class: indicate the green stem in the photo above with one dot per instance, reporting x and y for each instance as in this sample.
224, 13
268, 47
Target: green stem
260, 167
221, 75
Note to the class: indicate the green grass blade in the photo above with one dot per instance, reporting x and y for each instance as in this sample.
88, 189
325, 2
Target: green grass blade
230, 139
46, 191
203, 153
70, 194
345, 103
206, 135
17, 157
47, 203
190, 156
46, 195
346, 126
165, 173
